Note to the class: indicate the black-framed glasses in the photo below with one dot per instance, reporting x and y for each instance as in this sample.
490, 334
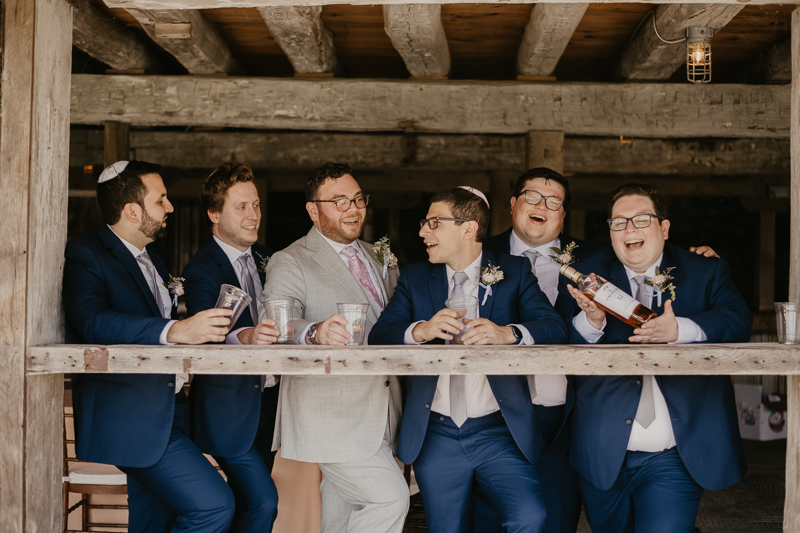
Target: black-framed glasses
553, 203
638, 221
433, 222
343, 204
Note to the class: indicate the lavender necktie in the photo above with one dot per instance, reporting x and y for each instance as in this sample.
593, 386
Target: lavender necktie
647, 409
360, 272
248, 272
144, 259
458, 385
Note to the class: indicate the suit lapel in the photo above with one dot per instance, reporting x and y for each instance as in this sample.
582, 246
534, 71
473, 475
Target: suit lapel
667, 260
260, 254
439, 287
378, 269
485, 309
224, 263
118, 250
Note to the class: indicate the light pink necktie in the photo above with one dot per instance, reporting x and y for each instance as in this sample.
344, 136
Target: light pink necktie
359, 271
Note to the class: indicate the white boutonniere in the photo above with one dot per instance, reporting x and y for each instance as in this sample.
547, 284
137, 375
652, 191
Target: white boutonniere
489, 276
565, 256
262, 263
383, 253
175, 288
661, 282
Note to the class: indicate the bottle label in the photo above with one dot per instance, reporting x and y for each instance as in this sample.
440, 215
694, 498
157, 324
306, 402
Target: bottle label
617, 300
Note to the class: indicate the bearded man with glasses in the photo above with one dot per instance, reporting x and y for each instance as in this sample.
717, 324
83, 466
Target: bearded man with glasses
345, 424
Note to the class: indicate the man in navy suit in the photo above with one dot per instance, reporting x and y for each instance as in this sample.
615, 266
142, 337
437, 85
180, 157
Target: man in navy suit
646, 446
115, 293
231, 418
460, 429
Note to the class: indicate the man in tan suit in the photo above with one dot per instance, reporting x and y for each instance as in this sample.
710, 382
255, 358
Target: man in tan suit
347, 425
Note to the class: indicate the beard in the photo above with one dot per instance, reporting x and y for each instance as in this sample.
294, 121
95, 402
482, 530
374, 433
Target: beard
150, 227
333, 228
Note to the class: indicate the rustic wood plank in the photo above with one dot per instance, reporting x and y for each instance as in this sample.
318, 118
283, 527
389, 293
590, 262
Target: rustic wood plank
648, 58
204, 52
417, 33
598, 109
109, 41
545, 149
773, 65
213, 4
712, 359
303, 37
547, 34
116, 146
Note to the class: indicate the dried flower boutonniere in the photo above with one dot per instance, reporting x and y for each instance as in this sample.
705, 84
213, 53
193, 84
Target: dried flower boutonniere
565, 256
383, 253
661, 282
175, 288
489, 276
262, 263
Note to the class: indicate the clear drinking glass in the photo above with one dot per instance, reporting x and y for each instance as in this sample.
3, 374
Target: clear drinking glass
787, 321
281, 311
467, 309
235, 299
356, 316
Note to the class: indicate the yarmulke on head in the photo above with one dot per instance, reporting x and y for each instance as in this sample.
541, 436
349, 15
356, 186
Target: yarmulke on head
476, 192
112, 171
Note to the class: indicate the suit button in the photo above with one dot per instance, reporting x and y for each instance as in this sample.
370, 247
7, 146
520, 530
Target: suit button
387, 383
427, 406
638, 382
171, 384
629, 421
257, 385
441, 419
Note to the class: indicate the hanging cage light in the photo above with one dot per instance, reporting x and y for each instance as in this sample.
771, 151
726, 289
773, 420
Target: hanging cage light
698, 54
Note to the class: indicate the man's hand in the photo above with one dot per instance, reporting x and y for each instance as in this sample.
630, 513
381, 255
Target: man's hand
333, 332
484, 331
264, 333
594, 314
442, 325
210, 325
705, 251
660, 329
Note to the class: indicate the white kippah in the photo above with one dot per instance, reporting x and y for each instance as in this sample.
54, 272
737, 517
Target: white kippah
476, 192
112, 172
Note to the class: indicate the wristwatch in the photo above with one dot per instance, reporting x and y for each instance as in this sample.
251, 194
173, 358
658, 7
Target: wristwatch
311, 334
517, 334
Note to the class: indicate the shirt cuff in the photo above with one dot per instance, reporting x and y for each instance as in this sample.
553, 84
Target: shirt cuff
689, 331
162, 339
586, 330
233, 336
527, 339
302, 338
269, 381
408, 338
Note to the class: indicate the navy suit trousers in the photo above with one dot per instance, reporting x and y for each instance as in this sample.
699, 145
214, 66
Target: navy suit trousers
254, 491
653, 493
182, 492
481, 450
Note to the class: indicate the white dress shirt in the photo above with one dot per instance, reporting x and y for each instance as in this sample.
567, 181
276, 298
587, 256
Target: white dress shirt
658, 435
166, 299
233, 255
551, 389
338, 247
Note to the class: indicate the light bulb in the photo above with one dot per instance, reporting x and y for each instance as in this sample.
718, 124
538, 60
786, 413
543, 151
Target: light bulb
697, 54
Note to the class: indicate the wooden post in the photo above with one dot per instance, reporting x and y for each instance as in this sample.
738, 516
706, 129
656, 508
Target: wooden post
34, 159
577, 224
791, 507
545, 149
766, 262
116, 143
500, 197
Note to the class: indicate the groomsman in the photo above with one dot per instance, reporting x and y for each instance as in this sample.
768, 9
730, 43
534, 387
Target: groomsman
115, 293
646, 446
347, 425
460, 429
230, 413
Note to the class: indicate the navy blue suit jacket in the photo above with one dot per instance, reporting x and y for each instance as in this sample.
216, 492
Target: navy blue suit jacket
421, 292
120, 419
702, 407
225, 409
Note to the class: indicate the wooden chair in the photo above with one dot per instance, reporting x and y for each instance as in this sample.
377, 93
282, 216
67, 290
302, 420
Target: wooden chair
88, 479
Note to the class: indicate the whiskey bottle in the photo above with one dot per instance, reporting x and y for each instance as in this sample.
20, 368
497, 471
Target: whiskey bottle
609, 297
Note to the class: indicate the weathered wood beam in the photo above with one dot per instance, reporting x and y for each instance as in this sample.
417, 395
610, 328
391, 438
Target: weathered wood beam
34, 144
417, 34
198, 46
773, 65
545, 149
303, 37
302, 152
213, 4
648, 58
117, 143
546, 37
109, 41
600, 109
708, 359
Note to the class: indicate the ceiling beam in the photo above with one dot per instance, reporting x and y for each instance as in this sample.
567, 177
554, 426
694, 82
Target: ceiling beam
417, 33
773, 65
546, 36
648, 58
641, 110
213, 4
109, 41
190, 38
303, 37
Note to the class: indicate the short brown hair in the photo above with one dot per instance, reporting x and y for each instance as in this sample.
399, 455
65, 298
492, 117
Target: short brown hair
467, 205
639, 189
216, 185
320, 175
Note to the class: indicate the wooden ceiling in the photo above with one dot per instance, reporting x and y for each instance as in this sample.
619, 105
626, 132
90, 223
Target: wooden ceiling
483, 40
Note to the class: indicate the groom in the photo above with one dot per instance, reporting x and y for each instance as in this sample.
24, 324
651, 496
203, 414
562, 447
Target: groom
460, 429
